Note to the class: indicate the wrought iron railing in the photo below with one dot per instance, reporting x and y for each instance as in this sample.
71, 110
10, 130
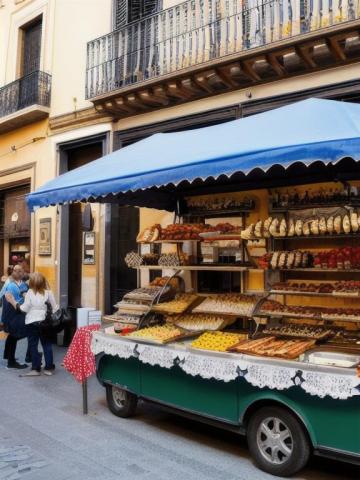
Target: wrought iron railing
197, 31
33, 89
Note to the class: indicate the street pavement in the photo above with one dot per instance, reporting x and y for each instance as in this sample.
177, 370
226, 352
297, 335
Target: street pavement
45, 436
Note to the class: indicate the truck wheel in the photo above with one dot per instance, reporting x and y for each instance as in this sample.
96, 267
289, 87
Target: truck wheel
120, 402
277, 441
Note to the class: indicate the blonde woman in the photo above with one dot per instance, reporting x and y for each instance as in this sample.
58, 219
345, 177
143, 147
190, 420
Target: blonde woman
35, 308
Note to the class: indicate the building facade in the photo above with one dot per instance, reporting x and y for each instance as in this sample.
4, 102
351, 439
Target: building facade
80, 79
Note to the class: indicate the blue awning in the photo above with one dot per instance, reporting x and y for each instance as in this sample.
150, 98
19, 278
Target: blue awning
309, 131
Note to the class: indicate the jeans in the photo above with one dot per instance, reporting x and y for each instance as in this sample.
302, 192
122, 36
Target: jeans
10, 348
34, 336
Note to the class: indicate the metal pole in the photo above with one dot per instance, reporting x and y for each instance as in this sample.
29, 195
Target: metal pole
85, 397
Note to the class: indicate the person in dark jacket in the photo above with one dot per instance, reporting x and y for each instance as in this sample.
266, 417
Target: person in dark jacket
13, 320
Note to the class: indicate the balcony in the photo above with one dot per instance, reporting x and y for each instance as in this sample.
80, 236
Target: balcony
24, 101
202, 48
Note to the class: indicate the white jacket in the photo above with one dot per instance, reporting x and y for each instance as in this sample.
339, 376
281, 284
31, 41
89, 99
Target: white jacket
35, 307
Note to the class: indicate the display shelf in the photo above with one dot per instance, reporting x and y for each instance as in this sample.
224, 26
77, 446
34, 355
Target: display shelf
216, 268
219, 213
307, 317
314, 294
340, 204
313, 269
329, 236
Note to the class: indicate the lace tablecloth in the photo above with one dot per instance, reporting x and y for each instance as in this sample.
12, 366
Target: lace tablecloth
274, 374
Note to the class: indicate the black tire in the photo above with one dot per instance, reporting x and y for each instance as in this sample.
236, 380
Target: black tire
121, 402
277, 441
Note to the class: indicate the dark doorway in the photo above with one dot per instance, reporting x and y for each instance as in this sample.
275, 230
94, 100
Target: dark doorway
77, 157
124, 225
31, 50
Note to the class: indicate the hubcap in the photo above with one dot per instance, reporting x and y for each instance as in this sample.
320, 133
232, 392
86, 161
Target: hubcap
119, 396
274, 440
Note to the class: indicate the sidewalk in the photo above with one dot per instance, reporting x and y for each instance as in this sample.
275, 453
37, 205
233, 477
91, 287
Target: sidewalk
43, 435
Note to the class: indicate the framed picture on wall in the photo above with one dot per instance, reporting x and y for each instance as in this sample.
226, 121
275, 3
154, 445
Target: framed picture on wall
89, 248
45, 236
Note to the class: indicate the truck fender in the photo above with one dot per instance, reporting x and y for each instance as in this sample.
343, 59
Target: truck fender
268, 399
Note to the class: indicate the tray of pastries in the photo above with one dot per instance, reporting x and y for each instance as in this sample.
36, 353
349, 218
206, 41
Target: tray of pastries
132, 307
200, 321
228, 304
218, 341
179, 304
148, 293
158, 334
300, 331
273, 347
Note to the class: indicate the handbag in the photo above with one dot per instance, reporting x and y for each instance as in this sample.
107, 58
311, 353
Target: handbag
52, 319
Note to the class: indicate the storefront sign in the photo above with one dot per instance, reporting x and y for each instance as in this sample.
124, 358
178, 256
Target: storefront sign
45, 237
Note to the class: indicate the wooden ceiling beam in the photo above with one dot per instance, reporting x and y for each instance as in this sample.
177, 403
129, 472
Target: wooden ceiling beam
303, 53
335, 49
175, 89
135, 101
247, 68
273, 61
151, 99
120, 104
201, 80
225, 75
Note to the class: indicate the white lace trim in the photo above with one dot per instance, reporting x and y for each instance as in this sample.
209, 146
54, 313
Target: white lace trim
257, 373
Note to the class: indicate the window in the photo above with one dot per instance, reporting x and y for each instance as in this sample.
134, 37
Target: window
31, 47
126, 11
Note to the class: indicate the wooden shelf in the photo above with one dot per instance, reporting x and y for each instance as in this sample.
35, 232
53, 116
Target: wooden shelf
313, 269
328, 236
215, 268
312, 294
219, 213
307, 317
340, 204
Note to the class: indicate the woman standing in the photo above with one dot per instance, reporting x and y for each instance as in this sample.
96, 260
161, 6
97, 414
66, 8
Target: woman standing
35, 307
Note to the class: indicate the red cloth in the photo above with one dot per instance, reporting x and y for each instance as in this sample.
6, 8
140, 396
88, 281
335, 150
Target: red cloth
79, 359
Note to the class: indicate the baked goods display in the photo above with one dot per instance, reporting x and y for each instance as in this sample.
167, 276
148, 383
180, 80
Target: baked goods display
173, 259
159, 333
173, 282
200, 321
183, 231
230, 304
133, 260
272, 307
345, 258
287, 259
272, 347
218, 341
149, 234
300, 331
148, 294
274, 227
180, 304
340, 258
322, 196
218, 204
344, 288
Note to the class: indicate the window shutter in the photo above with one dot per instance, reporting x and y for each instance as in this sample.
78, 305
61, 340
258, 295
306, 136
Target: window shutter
120, 13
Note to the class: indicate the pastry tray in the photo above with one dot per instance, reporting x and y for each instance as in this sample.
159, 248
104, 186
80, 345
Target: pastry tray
161, 308
238, 349
331, 358
152, 341
323, 336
